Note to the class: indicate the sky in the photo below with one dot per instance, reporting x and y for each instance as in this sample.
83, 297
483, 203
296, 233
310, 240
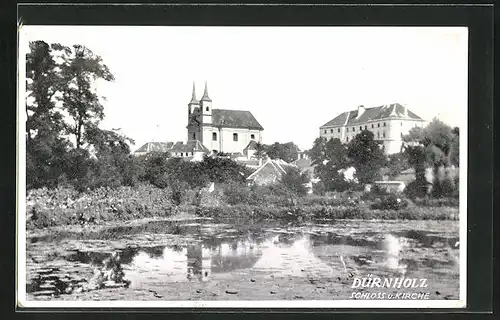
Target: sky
292, 79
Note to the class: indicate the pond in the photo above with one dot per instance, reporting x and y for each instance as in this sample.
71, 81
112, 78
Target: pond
207, 260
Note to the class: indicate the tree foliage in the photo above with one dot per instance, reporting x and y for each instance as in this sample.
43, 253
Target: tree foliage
61, 86
366, 157
436, 145
285, 151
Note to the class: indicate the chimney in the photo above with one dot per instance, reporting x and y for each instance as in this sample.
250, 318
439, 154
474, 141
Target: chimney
361, 110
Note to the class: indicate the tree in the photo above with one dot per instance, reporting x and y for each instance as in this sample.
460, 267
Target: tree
115, 165
366, 156
286, 151
318, 151
294, 181
396, 163
330, 158
45, 148
81, 69
259, 150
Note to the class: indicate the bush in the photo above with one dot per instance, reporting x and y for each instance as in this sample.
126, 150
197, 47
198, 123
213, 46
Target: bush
390, 202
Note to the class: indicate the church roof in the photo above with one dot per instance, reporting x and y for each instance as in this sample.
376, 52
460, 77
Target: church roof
376, 113
189, 146
193, 97
205, 94
235, 119
155, 147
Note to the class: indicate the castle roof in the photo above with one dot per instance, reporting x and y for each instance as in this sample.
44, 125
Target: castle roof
189, 146
235, 119
155, 147
394, 110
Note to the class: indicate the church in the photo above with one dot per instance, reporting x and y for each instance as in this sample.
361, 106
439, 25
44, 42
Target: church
220, 130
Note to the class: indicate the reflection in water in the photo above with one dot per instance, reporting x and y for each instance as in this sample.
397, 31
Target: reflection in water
313, 250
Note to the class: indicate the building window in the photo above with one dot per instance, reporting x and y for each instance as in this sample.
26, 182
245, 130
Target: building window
194, 135
353, 129
206, 109
378, 134
325, 131
252, 136
346, 138
383, 134
331, 130
182, 154
378, 125
384, 124
338, 130
372, 125
214, 136
235, 137
360, 128
366, 127
192, 153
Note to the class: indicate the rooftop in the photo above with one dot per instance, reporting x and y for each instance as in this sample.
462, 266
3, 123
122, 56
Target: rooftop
394, 110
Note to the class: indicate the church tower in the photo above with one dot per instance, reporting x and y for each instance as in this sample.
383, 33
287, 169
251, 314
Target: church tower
206, 107
193, 103
193, 109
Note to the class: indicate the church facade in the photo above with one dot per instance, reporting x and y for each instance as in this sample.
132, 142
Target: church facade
220, 130
389, 123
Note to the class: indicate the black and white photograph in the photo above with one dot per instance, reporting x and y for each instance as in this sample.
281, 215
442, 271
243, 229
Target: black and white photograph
246, 167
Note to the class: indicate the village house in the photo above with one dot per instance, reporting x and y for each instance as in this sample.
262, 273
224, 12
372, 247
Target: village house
389, 123
268, 173
219, 130
150, 147
191, 150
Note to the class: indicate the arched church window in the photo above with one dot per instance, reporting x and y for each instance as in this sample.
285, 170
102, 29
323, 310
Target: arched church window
214, 136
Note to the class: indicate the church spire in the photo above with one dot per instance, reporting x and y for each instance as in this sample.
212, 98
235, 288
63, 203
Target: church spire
193, 97
205, 94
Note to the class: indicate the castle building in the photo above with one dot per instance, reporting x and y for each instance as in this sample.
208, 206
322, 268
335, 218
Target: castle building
219, 130
389, 123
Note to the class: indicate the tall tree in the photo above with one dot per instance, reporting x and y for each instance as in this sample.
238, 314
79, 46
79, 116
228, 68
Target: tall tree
329, 158
367, 157
81, 70
45, 147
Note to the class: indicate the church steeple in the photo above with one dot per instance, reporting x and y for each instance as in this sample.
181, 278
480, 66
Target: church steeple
193, 97
205, 94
